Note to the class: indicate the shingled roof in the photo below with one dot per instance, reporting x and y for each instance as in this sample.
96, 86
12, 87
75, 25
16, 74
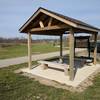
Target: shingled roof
78, 24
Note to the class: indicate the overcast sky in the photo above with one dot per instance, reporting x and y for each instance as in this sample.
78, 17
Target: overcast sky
14, 13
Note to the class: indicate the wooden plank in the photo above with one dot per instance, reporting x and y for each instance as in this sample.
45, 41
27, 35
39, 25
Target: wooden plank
41, 24
29, 51
49, 28
50, 21
95, 49
71, 56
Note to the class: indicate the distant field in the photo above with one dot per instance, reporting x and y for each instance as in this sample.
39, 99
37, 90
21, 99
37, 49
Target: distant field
21, 49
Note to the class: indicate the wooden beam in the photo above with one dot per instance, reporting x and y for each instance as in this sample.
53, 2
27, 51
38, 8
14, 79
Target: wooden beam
81, 30
41, 24
87, 28
71, 56
50, 33
95, 49
50, 21
29, 51
55, 27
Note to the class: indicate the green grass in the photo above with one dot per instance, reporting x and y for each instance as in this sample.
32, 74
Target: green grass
21, 50
17, 87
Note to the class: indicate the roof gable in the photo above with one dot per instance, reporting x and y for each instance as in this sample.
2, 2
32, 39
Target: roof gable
65, 19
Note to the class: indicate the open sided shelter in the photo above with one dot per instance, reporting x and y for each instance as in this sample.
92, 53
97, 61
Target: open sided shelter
46, 22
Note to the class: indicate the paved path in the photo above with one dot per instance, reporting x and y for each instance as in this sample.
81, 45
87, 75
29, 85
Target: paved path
19, 60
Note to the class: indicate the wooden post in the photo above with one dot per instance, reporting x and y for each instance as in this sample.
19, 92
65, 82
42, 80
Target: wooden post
88, 47
71, 56
29, 51
95, 49
74, 45
61, 49
61, 45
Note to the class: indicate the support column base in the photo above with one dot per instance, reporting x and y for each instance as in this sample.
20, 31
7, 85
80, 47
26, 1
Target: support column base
61, 59
72, 74
67, 71
44, 66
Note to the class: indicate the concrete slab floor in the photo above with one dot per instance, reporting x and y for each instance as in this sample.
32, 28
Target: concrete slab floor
59, 76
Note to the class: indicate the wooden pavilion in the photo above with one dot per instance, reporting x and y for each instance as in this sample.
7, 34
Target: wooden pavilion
46, 22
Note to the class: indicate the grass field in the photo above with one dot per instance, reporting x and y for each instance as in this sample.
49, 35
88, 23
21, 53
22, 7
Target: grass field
21, 50
17, 87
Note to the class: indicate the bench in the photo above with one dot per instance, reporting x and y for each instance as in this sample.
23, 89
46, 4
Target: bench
47, 64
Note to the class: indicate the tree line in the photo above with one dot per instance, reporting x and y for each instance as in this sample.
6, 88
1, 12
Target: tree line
24, 40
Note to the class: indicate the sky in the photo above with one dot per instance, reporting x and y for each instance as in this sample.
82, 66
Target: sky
14, 13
